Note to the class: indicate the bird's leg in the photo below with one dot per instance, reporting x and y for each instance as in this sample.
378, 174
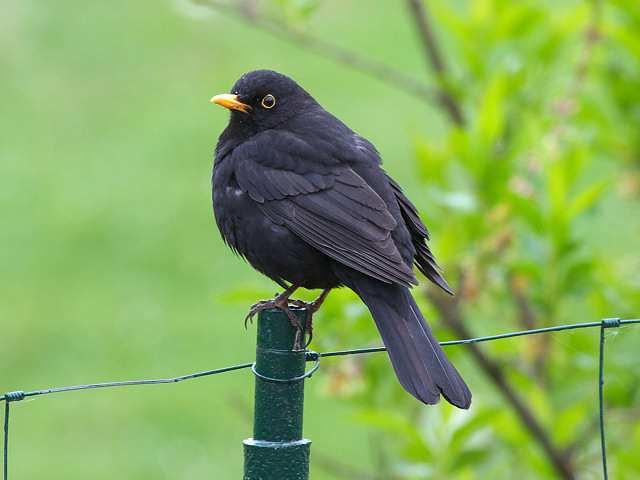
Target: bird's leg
311, 308
281, 302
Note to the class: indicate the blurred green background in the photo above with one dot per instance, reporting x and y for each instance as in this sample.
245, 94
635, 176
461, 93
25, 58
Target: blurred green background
111, 266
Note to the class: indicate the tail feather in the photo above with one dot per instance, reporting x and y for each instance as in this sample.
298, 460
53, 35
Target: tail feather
418, 360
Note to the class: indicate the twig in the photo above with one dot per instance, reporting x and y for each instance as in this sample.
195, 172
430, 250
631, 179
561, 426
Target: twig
435, 60
630, 416
526, 315
565, 106
449, 309
373, 68
528, 319
379, 456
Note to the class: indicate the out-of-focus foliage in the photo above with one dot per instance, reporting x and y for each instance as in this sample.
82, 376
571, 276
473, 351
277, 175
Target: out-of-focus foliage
519, 201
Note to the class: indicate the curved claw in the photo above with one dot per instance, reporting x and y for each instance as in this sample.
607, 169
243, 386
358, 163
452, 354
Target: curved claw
309, 338
283, 305
258, 307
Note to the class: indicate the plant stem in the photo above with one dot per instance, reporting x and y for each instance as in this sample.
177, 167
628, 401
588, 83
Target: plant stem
451, 315
435, 60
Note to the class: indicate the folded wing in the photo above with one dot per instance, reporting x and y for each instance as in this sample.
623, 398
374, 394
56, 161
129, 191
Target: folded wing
333, 209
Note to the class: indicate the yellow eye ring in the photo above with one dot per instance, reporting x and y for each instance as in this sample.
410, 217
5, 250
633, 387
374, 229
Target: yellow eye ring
269, 101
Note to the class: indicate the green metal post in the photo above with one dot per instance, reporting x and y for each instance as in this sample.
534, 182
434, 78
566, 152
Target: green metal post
277, 450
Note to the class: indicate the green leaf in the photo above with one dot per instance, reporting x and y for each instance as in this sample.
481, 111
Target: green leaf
431, 161
557, 186
528, 211
587, 198
491, 115
569, 420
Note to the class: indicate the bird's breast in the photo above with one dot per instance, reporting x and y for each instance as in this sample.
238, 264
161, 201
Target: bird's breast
269, 247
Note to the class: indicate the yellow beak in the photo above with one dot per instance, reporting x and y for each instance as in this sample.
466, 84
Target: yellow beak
227, 100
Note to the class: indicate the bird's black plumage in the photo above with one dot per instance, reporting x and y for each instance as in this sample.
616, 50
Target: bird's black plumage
304, 199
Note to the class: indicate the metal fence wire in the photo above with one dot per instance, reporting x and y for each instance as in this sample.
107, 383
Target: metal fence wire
311, 356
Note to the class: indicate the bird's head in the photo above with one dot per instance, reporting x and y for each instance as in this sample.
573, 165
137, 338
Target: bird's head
264, 99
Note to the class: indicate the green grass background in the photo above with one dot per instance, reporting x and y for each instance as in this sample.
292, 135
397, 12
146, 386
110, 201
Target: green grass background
110, 263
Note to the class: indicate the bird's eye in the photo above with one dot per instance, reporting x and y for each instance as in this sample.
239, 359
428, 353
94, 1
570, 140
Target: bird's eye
269, 101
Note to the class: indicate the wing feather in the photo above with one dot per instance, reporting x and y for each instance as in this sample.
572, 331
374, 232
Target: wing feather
334, 210
424, 259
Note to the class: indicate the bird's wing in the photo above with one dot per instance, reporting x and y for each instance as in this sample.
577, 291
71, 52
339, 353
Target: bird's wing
326, 204
424, 259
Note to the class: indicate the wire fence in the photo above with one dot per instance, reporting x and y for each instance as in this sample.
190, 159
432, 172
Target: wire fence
16, 396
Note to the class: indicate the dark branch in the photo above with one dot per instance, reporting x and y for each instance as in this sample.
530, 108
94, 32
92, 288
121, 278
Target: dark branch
435, 60
373, 68
451, 315
526, 315
528, 319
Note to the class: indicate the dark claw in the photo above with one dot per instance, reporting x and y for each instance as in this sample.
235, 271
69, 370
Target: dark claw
283, 305
258, 307
283, 302
309, 338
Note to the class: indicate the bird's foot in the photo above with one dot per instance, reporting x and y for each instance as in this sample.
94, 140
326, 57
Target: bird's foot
257, 308
311, 308
282, 303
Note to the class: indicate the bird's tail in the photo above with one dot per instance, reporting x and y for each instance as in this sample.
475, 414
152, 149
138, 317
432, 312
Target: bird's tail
418, 360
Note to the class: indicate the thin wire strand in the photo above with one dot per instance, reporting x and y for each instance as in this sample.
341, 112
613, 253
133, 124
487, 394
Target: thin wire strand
357, 351
603, 445
128, 383
19, 395
604, 324
488, 338
6, 440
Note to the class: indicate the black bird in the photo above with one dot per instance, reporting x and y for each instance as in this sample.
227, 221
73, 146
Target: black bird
304, 200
